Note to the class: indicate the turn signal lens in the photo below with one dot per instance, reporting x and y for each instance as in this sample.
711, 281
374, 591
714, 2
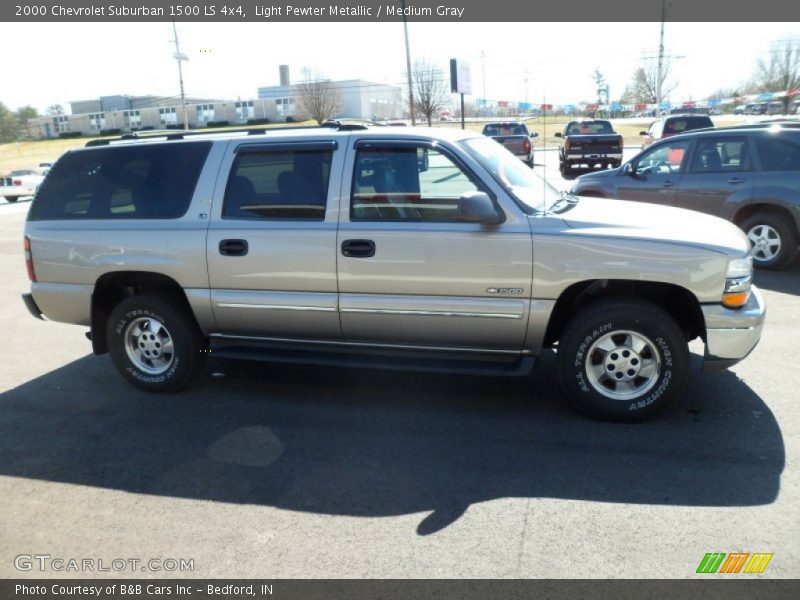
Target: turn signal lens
735, 299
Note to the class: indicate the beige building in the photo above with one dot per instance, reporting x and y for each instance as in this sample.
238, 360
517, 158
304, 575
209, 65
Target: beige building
142, 113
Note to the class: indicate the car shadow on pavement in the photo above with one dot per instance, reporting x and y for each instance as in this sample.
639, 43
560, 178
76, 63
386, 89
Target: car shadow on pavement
357, 443
785, 282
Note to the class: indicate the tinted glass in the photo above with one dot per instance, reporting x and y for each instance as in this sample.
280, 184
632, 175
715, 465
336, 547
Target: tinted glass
499, 129
677, 125
144, 181
279, 184
778, 154
715, 155
406, 184
590, 128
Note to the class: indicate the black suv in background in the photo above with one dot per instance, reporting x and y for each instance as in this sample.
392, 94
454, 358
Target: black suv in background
674, 125
749, 175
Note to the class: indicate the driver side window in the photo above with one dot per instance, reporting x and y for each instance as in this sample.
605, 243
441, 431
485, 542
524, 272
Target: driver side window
666, 159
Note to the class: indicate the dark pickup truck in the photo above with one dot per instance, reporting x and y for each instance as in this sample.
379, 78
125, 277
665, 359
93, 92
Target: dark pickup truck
515, 137
589, 143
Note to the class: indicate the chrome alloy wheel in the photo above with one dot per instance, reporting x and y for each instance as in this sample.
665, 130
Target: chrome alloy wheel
149, 345
622, 365
766, 242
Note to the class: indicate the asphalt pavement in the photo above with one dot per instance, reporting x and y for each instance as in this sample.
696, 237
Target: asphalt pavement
277, 471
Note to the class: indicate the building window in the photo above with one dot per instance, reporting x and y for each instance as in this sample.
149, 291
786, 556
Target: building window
61, 123
245, 110
169, 116
132, 119
284, 106
205, 113
97, 121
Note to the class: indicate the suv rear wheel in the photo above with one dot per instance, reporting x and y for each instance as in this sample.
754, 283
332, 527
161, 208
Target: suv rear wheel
774, 241
622, 360
154, 344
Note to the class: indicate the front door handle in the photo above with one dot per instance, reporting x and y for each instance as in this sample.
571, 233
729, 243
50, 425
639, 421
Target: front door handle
233, 247
667, 184
358, 248
735, 180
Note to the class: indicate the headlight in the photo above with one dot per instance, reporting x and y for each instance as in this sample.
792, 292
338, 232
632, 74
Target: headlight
738, 280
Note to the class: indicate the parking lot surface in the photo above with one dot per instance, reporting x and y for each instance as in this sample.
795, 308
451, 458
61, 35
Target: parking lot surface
276, 471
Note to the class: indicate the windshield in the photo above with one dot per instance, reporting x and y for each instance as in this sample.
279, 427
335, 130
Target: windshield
533, 193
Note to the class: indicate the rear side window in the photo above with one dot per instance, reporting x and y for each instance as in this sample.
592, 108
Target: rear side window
146, 181
778, 154
279, 184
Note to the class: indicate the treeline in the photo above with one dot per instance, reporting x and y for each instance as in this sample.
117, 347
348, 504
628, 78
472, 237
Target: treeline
14, 124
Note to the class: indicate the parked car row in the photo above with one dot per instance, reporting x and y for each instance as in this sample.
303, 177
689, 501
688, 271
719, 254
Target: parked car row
749, 175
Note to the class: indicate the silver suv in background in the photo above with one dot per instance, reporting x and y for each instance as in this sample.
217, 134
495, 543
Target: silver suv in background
402, 248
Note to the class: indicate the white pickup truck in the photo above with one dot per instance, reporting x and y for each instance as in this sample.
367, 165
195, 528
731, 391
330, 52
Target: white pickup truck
22, 182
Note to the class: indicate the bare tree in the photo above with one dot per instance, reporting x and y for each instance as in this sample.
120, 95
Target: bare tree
318, 98
431, 89
781, 71
599, 84
55, 110
644, 86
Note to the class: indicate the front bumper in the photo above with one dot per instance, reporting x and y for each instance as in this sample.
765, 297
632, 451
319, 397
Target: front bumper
732, 334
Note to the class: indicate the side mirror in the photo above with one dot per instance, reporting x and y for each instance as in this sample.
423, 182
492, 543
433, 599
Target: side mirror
627, 169
477, 207
558, 134
534, 134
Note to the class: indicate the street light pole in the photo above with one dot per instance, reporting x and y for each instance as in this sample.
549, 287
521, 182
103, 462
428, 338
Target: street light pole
180, 57
408, 67
660, 57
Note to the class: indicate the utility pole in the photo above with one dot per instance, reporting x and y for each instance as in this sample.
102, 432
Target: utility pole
180, 57
526, 86
408, 67
660, 57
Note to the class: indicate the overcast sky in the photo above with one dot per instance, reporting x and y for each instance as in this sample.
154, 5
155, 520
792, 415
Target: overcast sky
47, 63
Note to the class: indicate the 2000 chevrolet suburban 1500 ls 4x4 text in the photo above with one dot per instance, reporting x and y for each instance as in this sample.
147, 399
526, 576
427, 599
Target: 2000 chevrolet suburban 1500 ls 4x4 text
384, 247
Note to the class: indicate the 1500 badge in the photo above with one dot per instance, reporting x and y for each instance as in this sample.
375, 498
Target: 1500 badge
506, 291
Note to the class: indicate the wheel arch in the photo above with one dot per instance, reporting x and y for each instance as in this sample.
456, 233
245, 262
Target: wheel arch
113, 287
766, 207
679, 302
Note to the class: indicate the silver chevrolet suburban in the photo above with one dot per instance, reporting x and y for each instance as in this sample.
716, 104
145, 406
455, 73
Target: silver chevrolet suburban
381, 247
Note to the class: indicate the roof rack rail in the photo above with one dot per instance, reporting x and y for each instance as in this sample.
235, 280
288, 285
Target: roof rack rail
180, 135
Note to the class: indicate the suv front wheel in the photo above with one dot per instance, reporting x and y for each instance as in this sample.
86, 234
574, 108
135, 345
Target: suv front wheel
154, 344
622, 359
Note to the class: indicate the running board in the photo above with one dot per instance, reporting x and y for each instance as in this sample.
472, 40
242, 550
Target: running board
428, 363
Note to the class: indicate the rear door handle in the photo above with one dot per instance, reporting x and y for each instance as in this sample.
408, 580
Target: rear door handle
667, 184
233, 247
358, 248
734, 180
